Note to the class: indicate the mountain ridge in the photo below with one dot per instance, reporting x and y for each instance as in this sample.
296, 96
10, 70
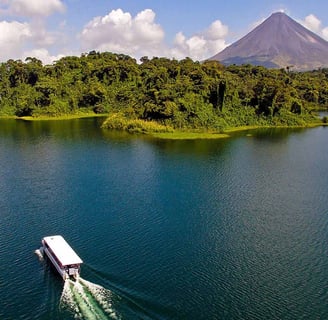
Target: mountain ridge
278, 42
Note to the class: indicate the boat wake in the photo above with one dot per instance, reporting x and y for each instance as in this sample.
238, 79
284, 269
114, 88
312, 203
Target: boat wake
39, 253
87, 300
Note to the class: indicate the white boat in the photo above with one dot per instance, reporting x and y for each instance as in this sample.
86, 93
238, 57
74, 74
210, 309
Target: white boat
62, 256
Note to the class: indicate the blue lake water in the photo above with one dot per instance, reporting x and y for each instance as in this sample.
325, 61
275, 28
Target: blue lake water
204, 229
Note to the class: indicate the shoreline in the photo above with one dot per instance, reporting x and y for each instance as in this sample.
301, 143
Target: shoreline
185, 135
54, 118
63, 117
176, 135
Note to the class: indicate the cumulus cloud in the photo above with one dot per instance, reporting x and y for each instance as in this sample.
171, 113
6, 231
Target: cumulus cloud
314, 24
325, 33
120, 32
216, 30
43, 55
203, 45
12, 37
32, 8
41, 36
17, 38
137, 36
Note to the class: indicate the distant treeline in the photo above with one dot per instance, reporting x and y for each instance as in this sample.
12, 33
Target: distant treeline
184, 94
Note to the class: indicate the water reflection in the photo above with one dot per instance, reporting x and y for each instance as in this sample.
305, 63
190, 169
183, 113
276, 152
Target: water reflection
197, 147
59, 129
275, 134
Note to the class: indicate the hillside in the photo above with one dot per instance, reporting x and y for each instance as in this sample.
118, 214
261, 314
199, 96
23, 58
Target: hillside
278, 42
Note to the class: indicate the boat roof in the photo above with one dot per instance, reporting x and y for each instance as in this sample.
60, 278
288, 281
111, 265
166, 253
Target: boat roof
63, 251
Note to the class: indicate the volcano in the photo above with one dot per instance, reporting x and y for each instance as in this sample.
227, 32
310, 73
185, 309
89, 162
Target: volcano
278, 42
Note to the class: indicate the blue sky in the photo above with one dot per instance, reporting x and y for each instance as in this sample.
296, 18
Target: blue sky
50, 29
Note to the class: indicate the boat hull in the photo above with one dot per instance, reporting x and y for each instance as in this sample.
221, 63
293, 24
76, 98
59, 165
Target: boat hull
60, 270
62, 256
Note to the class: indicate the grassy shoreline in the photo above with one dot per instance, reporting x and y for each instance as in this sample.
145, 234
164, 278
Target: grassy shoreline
62, 117
185, 135
175, 135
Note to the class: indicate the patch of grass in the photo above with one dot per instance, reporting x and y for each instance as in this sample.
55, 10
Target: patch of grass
117, 121
182, 135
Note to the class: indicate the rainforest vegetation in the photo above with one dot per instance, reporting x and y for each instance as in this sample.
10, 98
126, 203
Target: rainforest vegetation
161, 94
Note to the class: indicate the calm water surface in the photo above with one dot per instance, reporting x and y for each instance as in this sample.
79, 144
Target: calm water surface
225, 229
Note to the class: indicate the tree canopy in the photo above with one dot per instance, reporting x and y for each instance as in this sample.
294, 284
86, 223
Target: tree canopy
183, 94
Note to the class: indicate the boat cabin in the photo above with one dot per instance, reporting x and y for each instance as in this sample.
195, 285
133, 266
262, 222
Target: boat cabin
62, 256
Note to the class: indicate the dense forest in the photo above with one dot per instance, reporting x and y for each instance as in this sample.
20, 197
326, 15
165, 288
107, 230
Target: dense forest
162, 94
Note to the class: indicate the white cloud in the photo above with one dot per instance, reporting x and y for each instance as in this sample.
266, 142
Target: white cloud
13, 35
145, 27
43, 55
314, 24
120, 32
33, 8
17, 38
203, 45
141, 35
216, 30
21, 38
325, 33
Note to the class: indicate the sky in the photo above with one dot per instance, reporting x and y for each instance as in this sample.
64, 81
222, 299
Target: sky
51, 29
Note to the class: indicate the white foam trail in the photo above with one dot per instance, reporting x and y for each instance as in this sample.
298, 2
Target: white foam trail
87, 300
39, 253
67, 300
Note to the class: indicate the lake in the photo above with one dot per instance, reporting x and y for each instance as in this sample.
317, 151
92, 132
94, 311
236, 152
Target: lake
202, 229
